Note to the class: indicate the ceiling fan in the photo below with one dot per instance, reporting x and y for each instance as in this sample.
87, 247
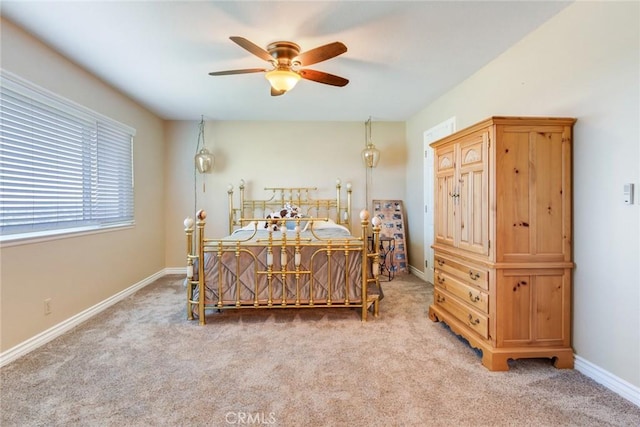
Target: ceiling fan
287, 63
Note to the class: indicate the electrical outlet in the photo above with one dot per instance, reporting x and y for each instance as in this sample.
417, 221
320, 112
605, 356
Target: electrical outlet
47, 306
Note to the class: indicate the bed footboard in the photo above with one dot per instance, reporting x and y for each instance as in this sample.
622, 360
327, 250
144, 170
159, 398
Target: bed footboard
282, 271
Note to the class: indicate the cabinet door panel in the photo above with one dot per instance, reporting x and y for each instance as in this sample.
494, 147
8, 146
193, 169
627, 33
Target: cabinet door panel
473, 200
444, 198
473, 233
533, 307
445, 213
548, 205
513, 315
549, 301
445, 160
532, 186
512, 192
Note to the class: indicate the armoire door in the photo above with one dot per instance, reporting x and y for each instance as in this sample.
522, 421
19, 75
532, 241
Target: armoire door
445, 197
473, 202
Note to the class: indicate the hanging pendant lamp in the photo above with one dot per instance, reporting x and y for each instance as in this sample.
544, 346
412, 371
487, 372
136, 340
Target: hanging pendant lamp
204, 159
370, 154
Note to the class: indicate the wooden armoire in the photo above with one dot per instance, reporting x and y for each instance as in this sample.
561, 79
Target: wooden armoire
503, 249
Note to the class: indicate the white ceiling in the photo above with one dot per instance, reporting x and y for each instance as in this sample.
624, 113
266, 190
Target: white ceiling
401, 55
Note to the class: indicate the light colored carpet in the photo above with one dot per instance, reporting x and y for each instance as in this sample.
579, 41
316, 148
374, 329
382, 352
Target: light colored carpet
141, 363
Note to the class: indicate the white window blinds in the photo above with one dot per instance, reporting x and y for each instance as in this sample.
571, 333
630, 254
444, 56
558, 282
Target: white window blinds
62, 167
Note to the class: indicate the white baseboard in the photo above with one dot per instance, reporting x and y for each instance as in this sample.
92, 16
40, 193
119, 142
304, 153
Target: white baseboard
417, 273
607, 379
175, 270
64, 326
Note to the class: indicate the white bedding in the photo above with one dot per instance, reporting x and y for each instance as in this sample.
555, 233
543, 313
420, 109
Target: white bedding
324, 228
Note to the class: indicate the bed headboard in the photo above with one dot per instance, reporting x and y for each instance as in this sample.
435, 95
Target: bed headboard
338, 208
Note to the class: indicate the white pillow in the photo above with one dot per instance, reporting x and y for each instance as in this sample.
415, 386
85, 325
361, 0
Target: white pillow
329, 223
252, 226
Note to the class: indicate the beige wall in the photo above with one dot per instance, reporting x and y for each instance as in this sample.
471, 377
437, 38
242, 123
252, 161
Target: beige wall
274, 154
583, 63
79, 272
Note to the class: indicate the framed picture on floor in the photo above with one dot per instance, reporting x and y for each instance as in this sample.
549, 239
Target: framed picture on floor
391, 212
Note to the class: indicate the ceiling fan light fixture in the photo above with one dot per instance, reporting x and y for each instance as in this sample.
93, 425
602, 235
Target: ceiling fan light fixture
282, 80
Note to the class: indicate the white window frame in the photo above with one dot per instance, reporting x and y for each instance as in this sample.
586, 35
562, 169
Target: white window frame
98, 140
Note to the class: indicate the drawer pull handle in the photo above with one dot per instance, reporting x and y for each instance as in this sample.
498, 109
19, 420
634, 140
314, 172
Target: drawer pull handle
474, 276
441, 280
473, 322
474, 298
440, 262
440, 298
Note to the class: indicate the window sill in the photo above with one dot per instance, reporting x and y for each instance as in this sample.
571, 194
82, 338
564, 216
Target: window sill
46, 236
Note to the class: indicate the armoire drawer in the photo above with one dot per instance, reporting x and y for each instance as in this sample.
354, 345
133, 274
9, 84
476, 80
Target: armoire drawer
464, 271
469, 294
468, 316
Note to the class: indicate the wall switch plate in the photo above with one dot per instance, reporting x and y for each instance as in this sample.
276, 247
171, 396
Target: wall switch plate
628, 194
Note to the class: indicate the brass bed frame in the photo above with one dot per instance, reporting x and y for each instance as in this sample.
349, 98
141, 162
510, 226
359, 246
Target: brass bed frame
256, 210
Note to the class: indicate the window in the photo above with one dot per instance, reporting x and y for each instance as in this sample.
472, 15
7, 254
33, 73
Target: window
63, 168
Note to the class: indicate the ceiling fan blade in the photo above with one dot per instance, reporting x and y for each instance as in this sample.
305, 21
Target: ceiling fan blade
321, 53
322, 77
275, 92
253, 48
229, 72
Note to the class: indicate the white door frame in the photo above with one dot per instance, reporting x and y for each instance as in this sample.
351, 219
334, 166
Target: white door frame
437, 132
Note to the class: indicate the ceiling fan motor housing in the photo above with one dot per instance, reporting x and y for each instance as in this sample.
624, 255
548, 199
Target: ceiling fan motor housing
283, 52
